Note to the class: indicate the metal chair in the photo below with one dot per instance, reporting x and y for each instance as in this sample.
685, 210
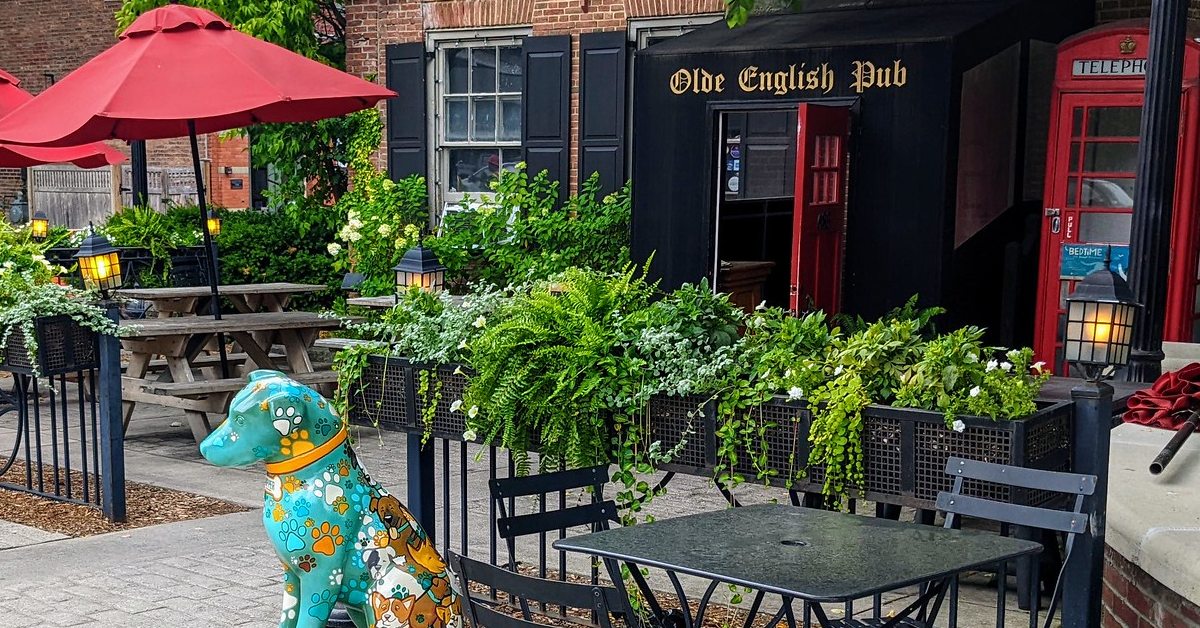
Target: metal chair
955, 504
485, 612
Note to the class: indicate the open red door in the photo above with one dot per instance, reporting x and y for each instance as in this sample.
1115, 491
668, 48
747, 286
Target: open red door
819, 216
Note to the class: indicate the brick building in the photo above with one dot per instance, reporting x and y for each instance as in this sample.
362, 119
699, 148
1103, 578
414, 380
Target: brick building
47, 39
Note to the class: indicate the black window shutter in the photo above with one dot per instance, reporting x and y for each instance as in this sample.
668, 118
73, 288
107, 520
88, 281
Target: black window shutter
546, 127
406, 135
602, 108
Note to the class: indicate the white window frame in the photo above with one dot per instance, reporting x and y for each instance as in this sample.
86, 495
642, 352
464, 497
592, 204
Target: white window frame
437, 43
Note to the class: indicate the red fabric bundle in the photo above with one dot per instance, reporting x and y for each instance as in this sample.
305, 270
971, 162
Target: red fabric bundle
1162, 404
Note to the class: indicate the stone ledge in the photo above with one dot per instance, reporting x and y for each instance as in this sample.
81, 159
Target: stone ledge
1154, 521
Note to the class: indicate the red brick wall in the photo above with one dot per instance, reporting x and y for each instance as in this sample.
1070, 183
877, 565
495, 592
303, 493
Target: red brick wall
231, 153
372, 24
1133, 599
56, 37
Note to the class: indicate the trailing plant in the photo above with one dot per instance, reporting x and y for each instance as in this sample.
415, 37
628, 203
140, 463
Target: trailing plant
20, 253
959, 376
524, 233
429, 394
25, 296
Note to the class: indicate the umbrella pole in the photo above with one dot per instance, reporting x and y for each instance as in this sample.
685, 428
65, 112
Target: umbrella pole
215, 300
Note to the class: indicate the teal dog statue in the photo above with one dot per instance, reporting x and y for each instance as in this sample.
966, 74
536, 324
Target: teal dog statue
340, 536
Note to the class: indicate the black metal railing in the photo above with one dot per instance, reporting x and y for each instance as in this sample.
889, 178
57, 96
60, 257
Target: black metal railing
67, 441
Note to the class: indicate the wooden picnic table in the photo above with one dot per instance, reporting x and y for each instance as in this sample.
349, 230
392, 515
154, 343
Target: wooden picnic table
386, 302
246, 298
180, 340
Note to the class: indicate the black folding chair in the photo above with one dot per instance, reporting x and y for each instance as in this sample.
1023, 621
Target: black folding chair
597, 514
484, 612
1071, 522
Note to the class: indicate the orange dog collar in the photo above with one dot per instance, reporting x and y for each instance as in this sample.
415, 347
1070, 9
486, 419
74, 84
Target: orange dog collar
303, 460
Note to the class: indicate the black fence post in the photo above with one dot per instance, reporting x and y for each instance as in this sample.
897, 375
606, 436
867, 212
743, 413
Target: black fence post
1083, 581
112, 428
420, 484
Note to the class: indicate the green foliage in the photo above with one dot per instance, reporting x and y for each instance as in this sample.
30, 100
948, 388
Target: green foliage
548, 368
738, 11
265, 246
306, 157
20, 253
142, 227
383, 218
27, 296
520, 234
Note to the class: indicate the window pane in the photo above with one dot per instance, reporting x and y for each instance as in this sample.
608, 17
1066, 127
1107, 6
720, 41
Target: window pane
1098, 227
456, 70
1076, 121
510, 157
483, 70
483, 116
1105, 157
456, 119
510, 69
473, 169
1072, 191
510, 119
1111, 192
1114, 121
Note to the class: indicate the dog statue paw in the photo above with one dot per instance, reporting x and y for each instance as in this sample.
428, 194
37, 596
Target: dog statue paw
340, 536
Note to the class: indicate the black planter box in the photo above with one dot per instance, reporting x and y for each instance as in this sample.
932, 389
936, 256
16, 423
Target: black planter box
905, 452
691, 418
388, 396
782, 443
64, 346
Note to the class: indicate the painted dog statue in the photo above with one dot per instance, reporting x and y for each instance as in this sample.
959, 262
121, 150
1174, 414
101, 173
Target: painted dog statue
340, 536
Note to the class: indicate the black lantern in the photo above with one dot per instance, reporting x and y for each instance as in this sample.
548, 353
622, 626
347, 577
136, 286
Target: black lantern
39, 226
1100, 315
419, 267
213, 224
99, 263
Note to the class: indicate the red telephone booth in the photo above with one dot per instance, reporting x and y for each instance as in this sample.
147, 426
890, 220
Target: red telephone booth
1092, 155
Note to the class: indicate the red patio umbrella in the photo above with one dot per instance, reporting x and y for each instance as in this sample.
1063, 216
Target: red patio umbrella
181, 70
92, 155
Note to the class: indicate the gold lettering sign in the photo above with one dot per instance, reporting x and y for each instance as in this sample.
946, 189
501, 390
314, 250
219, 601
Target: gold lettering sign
795, 78
697, 80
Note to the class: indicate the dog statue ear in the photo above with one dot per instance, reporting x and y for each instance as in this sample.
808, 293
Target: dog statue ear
264, 374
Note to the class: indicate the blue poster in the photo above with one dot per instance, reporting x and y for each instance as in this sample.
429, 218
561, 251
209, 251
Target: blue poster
1080, 259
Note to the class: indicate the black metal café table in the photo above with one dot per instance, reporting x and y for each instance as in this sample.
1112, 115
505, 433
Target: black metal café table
812, 555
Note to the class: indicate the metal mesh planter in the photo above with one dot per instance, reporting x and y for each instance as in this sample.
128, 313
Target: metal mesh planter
905, 452
381, 396
691, 418
783, 445
64, 346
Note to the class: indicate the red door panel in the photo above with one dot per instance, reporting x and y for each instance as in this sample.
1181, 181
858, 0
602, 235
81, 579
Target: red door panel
819, 215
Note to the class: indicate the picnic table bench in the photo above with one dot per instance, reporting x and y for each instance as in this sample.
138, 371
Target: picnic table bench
178, 341
246, 298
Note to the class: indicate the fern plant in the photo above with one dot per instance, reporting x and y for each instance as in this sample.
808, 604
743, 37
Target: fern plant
549, 367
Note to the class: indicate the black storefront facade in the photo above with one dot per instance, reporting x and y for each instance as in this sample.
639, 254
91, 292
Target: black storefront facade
940, 187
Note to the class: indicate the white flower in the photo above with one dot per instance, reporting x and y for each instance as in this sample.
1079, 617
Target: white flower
39, 258
761, 306
959, 426
837, 371
480, 322
1006, 366
972, 357
385, 230
334, 248
454, 407
7, 265
795, 393
473, 412
1038, 366
991, 365
462, 344
470, 435
975, 391
355, 236
458, 370
355, 223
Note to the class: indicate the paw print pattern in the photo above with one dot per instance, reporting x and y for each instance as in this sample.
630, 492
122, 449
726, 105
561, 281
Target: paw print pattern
335, 578
292, 536
340, 505
306, 562
322, 604
326, 539
300, 507
344, 468
356, 589
324, 427
292, 484
285, 419
326, 487
295, 443
278, 513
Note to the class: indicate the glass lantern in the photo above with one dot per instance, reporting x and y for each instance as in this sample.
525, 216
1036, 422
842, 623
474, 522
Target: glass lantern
99, 263
1100, 317
213, 223
39, 226
420, 268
